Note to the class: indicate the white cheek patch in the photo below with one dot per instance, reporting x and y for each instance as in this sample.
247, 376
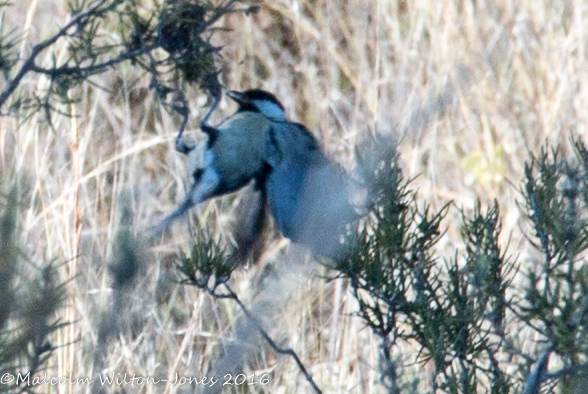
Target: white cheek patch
271, 110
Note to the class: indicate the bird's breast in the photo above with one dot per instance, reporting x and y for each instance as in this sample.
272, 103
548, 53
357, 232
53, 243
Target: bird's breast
239, 148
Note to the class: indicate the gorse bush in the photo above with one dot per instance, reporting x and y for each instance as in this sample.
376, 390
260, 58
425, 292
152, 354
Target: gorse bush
460, 311
32, 297
553, 302
450, 307
169, 41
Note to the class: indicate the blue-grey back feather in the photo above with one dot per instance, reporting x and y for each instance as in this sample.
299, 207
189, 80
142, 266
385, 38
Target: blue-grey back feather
306, 194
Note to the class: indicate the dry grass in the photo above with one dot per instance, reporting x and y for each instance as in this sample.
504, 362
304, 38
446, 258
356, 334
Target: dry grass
470, 87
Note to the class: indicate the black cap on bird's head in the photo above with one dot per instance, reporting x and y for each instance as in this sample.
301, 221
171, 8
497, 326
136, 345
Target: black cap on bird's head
257, 100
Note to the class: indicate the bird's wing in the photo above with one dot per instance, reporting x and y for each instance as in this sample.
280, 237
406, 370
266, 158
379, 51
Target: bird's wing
307, 196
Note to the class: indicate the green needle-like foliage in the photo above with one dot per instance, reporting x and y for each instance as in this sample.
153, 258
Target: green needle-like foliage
459, 311
171, 43
555, 300
29, 305
207, 266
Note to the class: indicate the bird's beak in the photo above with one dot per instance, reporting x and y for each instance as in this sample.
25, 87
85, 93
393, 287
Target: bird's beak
236, 96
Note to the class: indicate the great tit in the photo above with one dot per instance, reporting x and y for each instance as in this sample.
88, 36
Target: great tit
306, 193
231, 157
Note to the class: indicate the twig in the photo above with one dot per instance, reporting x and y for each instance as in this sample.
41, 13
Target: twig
232, 295
575, 370
533, 382
37, 49
94, 67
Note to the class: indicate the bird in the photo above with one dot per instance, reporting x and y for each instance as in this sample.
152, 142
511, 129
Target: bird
305, 191
230, 158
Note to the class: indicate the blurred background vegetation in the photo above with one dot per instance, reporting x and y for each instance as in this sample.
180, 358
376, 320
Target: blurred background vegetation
470, 90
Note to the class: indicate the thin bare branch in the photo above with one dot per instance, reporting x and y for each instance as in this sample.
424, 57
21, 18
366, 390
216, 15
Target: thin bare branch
37, 49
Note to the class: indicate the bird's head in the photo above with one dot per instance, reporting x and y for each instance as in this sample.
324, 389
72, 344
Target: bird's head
257, 100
